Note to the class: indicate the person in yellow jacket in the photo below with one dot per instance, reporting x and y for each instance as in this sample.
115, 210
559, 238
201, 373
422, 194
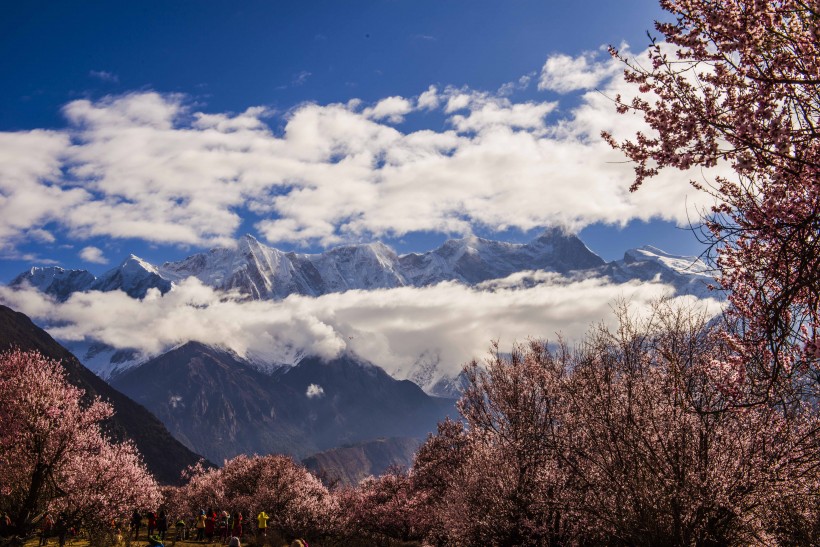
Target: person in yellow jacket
261, 527
200, 526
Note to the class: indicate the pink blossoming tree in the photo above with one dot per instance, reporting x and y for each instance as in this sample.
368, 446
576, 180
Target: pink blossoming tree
739, 84
53, 454
297, 502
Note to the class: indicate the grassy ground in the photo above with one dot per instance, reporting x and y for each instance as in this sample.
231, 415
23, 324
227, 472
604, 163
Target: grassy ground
142, 541
274, 540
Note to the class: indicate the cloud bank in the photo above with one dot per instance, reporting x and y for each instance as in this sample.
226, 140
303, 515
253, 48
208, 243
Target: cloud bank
393, 328
149, 165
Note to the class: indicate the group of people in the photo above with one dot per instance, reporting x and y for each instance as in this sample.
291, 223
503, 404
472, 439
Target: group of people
157, 524
208, 526
50, 527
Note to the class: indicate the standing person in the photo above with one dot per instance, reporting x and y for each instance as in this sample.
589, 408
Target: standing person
45, 529
162, 525
223, 527
152, 523
180, 530
136, 521
200, 526
61, 528
210, 526
237, 525
5, 525
261, 528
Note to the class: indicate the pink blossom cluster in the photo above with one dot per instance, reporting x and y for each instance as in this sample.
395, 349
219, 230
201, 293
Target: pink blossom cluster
629, 437
297, 502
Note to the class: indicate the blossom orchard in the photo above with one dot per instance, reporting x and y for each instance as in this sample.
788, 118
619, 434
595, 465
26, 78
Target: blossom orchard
623, 436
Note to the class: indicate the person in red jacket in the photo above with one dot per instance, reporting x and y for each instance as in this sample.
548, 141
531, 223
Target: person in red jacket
152, 523
210, 526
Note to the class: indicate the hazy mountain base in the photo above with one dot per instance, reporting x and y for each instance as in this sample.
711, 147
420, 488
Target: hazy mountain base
349, 465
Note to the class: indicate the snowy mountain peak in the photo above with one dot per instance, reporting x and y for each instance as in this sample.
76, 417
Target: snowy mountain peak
682, 264
265, 273
134, 276
135, 265
249, 244
688, 274
55, 281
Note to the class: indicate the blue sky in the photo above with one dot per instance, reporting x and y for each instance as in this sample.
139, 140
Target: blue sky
104, 102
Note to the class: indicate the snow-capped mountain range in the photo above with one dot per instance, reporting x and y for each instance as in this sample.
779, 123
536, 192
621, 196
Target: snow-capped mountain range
265, 273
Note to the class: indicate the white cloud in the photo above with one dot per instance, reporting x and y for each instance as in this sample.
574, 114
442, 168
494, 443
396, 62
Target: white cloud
429, 100
315, 391
93, 254
147, 165
391, 328
30, 189
393, 109
563, 73
510, 87
521, 116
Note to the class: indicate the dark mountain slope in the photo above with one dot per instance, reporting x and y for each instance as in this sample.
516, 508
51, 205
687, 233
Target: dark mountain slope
360, 402
165, 456
221, 406
215, 403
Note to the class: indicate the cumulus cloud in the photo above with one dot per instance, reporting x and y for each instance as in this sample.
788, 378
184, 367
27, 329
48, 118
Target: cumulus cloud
563, 73
94, 255
393, 109
30, 189
429, 100
392, 328
149, 165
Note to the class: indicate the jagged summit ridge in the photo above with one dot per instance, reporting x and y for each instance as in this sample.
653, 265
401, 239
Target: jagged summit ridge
55, 281
264, 272
688, 274
267, 273
134, 276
